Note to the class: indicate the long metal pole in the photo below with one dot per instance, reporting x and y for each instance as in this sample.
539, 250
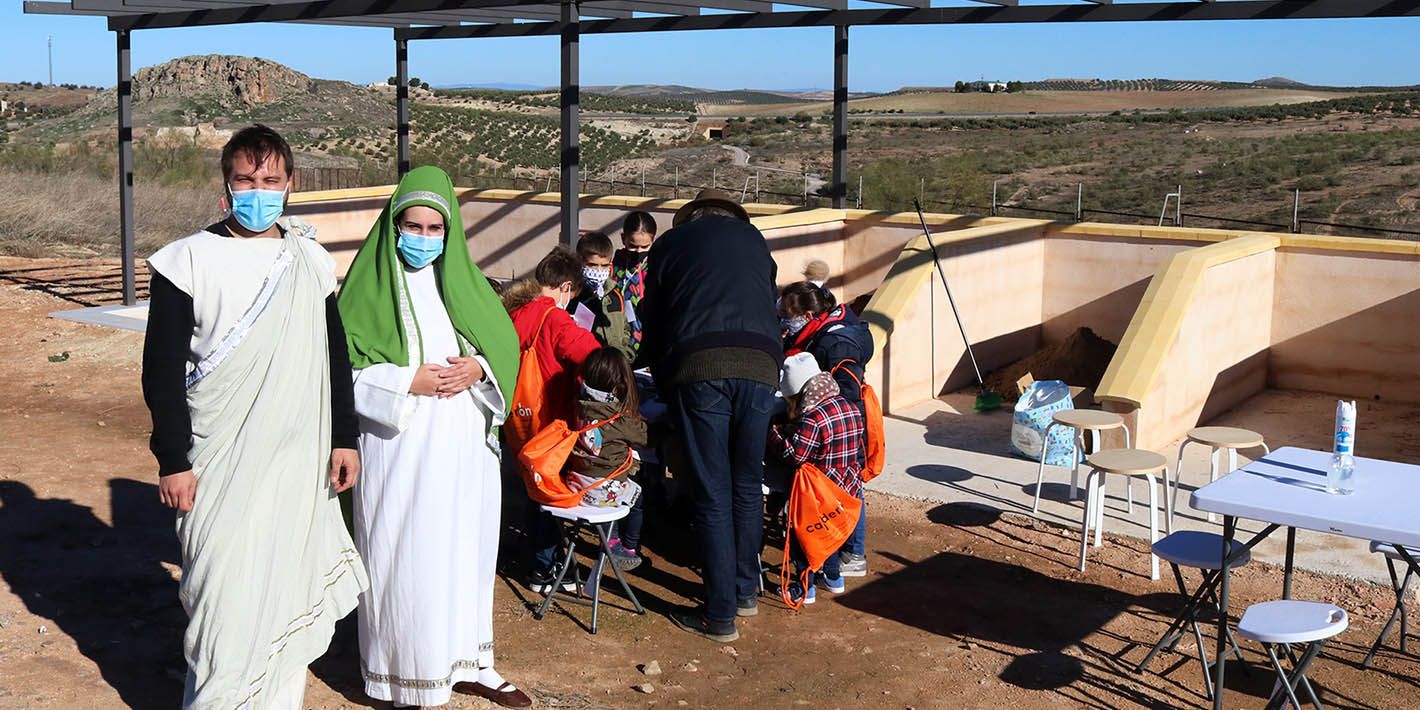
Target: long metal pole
840, 117
401, 92
570, 142
950, 300
125, 168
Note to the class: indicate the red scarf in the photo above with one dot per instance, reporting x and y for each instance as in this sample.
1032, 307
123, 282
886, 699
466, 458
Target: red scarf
806, 336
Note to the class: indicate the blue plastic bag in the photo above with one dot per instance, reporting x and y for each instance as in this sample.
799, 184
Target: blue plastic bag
1034, 412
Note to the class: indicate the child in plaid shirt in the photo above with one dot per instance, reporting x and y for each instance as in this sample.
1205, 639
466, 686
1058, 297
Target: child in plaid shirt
825, 430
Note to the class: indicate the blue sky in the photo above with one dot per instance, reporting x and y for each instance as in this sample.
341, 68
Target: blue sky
1346, 52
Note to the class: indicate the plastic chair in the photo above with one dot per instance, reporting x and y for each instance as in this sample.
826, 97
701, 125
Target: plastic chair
1218, 439
1402, 590
1280, 624
599, 519
1080, 420
1202, 551
1124, 462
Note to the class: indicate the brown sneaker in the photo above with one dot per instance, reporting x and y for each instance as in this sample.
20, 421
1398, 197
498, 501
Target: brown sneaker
505, 695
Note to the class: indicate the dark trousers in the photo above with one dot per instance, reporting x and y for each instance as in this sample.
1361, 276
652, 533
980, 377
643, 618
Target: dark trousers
857, 542
724, 424
629, 529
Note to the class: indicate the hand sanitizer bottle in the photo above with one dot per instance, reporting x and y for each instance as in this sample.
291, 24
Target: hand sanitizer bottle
1341, 477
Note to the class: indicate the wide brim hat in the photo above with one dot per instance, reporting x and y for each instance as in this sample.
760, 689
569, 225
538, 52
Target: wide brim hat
710, 198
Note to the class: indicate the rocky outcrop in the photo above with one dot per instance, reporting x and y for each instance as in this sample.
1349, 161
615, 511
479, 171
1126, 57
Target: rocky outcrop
245, 81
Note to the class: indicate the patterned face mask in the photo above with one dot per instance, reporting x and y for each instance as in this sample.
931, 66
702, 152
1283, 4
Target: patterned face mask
596, 277
794, 325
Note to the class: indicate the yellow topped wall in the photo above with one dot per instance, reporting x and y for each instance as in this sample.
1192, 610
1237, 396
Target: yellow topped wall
1205, 318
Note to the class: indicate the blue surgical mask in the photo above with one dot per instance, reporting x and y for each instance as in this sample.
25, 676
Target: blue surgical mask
418, 250
257, 210
794, 325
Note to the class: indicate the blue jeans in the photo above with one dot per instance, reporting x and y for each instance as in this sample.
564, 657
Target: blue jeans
724, 424
831, 565
857, 542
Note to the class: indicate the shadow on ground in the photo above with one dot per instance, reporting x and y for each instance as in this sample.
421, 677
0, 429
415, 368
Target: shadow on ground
102, 585
81, 283
1049, 626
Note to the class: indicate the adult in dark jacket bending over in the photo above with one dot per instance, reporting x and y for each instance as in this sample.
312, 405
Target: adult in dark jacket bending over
712, 338
815, 323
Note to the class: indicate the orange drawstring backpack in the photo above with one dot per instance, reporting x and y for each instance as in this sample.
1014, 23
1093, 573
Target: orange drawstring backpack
543, 457
875, 452
528, 417
821, 517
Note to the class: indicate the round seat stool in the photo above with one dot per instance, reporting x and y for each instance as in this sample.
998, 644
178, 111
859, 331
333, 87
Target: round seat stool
1279, 625
1080, 421
1219, 439
1123, 462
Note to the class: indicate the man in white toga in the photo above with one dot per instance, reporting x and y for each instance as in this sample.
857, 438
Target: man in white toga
247, 376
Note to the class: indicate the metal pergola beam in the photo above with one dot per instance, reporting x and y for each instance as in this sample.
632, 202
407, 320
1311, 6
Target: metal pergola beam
1122, 12
294, 11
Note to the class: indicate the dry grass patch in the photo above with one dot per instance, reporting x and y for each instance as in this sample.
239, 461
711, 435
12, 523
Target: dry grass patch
76, 214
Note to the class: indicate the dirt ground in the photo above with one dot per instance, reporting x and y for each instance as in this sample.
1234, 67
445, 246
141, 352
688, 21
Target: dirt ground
963, 608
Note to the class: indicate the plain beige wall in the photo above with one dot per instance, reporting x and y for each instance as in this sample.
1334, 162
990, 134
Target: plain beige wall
794, 247
1219, 358
870, 246
924, 349
1347, 323
1098, 282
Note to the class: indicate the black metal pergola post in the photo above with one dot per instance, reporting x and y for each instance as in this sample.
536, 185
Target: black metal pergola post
570, 144
401, 93
124, 90
839, 182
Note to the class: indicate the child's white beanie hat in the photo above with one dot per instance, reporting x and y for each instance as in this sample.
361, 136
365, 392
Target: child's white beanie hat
798, 370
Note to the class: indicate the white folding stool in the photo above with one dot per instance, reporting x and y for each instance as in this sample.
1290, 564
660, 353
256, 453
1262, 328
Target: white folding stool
600, 520
1279, 624
1401, 585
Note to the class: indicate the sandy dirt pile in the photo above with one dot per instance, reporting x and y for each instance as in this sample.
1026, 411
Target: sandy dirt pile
1080, 360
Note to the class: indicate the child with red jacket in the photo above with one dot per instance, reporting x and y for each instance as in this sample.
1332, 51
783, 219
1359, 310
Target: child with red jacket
562, 346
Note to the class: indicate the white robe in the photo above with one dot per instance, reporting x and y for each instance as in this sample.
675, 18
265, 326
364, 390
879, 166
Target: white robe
268, 567
426, 517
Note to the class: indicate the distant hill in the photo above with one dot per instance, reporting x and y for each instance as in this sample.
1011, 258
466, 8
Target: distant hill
222, 89
1281, 82
495, 85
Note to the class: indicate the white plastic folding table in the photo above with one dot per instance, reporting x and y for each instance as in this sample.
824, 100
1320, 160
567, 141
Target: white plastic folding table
1287, 488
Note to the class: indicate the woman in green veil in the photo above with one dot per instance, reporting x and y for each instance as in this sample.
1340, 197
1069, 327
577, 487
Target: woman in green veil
435, 360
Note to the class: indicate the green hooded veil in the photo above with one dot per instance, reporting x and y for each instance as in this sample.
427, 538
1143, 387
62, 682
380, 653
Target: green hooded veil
374, 300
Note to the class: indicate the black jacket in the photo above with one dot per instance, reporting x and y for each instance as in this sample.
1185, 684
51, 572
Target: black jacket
845, 341
709, 308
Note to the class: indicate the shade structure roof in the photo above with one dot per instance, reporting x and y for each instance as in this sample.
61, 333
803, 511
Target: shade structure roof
431, 19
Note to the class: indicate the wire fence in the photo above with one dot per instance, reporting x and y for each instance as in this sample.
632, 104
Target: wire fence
750, 189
